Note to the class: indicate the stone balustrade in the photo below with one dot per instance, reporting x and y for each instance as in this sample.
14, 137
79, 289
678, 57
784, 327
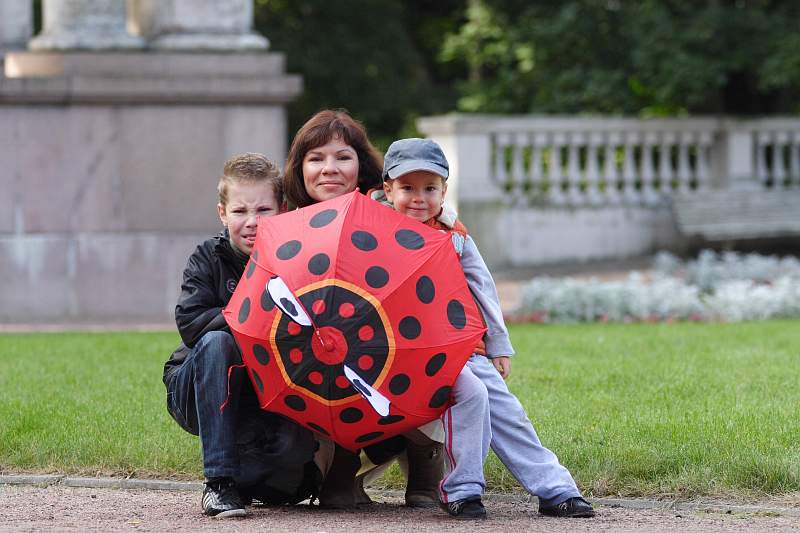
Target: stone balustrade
561, 161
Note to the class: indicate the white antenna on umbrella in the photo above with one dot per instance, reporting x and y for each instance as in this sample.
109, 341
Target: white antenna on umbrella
378, 401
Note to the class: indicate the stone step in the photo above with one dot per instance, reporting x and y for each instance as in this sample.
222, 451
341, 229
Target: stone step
737, 215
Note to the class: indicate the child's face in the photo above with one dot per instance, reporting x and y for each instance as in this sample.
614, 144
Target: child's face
246, 202
330, 170
418, 194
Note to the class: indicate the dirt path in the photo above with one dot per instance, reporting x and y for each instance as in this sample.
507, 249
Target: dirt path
64, 508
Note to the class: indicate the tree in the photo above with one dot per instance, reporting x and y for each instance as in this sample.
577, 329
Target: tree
376, 58
659, 57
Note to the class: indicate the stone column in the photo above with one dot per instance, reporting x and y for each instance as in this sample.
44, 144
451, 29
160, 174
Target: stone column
84, 25
196, 24
16, 24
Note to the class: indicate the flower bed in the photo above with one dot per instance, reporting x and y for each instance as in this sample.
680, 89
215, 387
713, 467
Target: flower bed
727, 287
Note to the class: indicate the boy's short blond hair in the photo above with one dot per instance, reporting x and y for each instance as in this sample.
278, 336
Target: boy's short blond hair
250, 167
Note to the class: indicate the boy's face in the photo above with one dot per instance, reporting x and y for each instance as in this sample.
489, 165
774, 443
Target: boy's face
246, 202
418, 194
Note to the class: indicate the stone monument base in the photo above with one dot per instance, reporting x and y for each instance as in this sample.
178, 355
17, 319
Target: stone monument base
110, 165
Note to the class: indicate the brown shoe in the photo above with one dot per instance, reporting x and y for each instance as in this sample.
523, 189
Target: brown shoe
425, 470
341, 490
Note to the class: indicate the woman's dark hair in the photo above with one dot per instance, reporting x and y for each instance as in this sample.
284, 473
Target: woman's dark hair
319, 130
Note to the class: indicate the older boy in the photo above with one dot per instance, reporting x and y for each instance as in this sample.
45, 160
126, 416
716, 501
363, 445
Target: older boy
415, 174
196, 376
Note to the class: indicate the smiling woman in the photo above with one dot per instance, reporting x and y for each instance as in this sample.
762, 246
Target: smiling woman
330, 156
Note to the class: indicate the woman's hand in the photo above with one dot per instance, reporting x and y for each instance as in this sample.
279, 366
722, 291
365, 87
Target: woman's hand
503, 365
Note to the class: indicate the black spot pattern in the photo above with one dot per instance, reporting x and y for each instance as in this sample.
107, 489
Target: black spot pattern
456, 315
409, 239
369, 436
399, 384
244, 310
390, 419
323, 218
351, 415
251, 267
317, 428
257, 379
364, 241
410, 328
439, 398
288, 250
435, 364
295, 402
319, 264
376, 277
261, 353
266, 301
289, 306
426, 291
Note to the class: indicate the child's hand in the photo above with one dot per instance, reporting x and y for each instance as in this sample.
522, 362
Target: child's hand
503, 365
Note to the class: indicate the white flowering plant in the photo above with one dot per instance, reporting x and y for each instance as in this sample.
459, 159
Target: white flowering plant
727, 287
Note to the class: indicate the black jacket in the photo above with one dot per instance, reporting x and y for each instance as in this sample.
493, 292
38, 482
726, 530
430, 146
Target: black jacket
210, 278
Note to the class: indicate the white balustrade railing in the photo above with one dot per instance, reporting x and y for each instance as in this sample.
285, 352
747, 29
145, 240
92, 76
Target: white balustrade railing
613, 161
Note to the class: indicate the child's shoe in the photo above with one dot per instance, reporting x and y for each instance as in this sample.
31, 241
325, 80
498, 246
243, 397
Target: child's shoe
221, 499
572, 508
467, 509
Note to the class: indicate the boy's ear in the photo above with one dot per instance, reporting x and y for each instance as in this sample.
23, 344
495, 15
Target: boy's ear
222, 217
387, 189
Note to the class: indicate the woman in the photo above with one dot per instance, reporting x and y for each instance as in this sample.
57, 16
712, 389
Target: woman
331, 156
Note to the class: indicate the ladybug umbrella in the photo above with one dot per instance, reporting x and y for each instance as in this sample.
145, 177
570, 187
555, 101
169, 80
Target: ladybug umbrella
353, 320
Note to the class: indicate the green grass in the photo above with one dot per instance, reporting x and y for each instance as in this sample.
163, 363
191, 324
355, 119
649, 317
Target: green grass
645, 409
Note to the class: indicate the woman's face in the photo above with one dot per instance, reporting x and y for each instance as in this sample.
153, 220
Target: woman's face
330, 170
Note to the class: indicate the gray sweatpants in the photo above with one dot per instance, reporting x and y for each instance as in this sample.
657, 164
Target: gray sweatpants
485, 413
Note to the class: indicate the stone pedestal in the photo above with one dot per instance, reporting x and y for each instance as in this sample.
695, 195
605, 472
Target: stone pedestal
16, 25
111, 161
85, 25
192, 25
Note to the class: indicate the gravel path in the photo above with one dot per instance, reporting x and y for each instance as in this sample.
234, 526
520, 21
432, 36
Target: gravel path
63, 508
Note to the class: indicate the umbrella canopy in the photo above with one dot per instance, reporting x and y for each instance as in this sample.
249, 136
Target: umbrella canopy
353, 319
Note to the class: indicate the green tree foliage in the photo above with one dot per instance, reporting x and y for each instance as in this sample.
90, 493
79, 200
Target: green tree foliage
375, 58
657, 57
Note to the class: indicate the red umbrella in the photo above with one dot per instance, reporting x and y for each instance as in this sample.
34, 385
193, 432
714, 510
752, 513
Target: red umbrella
353, 319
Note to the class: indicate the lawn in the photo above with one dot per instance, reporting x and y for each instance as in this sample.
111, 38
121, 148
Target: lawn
644, 409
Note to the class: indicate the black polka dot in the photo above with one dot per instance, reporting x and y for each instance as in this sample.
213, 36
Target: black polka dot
257, 379
351, 415
376, 277
364, 241
317, 428
369, 436
435, 364
251, 267
289, 306
425, 290
390, 419
410, 328
409, 239
439, 398
456, 315
288, 250
295, 402
323, 218
261, 353
244, 310
399, 384
266, 301
319, 264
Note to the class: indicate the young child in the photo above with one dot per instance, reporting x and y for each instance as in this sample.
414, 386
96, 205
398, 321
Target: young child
415, 174
196, 376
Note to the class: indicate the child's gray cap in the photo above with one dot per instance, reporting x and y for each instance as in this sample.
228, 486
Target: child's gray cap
410, 155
